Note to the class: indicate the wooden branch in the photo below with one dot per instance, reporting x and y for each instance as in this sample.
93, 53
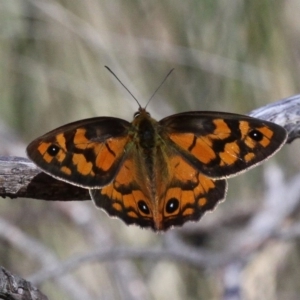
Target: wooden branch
285, 112
13, 287
19, 177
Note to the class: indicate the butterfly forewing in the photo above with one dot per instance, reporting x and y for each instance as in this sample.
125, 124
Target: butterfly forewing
222, 144
87, 153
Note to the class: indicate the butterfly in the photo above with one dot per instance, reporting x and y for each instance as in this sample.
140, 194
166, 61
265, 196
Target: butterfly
156, 174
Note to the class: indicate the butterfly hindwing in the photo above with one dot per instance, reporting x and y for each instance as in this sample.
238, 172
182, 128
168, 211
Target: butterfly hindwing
185, 194
87, 153
180, 193
223, 144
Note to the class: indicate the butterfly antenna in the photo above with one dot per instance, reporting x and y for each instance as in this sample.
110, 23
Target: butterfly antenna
159, 86
123, 85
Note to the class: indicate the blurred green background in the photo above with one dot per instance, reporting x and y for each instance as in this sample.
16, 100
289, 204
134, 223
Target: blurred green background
228, 55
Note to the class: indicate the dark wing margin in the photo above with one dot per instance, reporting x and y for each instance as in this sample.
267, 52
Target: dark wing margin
117, 208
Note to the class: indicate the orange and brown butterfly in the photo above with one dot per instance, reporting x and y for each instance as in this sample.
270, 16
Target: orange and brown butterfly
156, 174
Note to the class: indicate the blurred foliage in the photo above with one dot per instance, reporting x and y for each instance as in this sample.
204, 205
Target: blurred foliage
228, 55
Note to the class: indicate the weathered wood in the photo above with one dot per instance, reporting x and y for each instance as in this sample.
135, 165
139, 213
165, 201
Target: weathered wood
13, 287
19, 177
285, 112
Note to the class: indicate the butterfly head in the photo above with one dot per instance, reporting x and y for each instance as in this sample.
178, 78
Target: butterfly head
141, 113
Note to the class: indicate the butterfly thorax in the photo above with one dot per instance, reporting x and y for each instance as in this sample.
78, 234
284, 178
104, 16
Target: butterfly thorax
146, 134
145, 137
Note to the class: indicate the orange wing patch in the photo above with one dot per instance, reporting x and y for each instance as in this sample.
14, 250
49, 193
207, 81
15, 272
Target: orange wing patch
200, 147
82, 165
66, 170
80, 140
42, 150
222, 131
230, 154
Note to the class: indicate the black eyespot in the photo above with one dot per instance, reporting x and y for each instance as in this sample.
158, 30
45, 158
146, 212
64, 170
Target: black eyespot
172, 205
52, 150
256, 135
143, 207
